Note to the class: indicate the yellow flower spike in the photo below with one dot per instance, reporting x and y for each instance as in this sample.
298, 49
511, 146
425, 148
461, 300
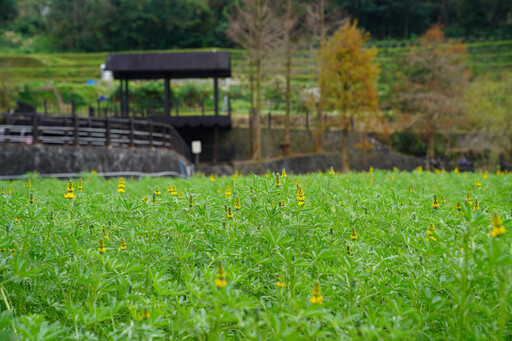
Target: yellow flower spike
456, 170
101, 247
283, 174
29, 183
468, 198
317, 294
370, 170
476, 207
435, 203
411, 188
280, 283
157, 191
331, 171
121, 183
212, 177
300, 196
11, 191
153, 200
191, 201
237, 204
278, 180
169, 188
219, 191
145, 314
353, 234
31, 198
80, 185
229, 213
3, 190
221, 281
228, 192
122, 247
431, 232
174, 191
498, 229
458, 206
443, 200
348, 250
478, 183
181, 195
486, 176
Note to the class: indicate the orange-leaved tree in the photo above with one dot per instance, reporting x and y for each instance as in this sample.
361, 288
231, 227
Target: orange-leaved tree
348, 78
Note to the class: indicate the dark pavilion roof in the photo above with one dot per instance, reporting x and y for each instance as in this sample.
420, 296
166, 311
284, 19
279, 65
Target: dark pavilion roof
169, 65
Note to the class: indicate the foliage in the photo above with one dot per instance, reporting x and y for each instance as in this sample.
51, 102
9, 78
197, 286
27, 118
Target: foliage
348, 77
433, 83
490, 108
362, 237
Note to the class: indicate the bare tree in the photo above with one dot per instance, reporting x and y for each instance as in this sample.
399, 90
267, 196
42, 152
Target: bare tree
320, 26
256, 28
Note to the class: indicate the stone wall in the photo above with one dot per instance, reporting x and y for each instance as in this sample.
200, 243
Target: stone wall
20, 159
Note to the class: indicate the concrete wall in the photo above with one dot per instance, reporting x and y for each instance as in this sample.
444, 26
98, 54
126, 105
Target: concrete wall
20, 159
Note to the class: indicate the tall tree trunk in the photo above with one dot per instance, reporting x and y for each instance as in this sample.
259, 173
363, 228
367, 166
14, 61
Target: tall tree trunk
252, 113
319, 142
288, 74
257, 127
430, 149
344, 144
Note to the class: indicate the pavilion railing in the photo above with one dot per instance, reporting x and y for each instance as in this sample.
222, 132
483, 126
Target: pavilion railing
89, 131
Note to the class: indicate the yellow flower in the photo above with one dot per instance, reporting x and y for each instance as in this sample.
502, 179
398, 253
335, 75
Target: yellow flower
278, 180
317, 294
70, 188
3, 190
371, 170
477, 206
219, 191
153, 201
221, 281
229, 214
121, 183
29, 183
181, 195
435, 203
498, 229
468, 198
300, 196
431, 232
456, 170
80, 185
123, 244
283, 174
120, 190
486, 176
31, 198
477, 183
190, 201
101, 247
458, 206
237, 204
443, 200
11, 190
331, 171
411, 188
157, 191
280, 283
353, 235
69, 195
228, 192
174, 191
145, 314
212, 177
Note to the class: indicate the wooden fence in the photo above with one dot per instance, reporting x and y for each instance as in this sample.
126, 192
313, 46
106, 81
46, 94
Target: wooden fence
90, 131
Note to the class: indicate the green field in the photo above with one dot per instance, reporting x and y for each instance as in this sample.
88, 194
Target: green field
388, 264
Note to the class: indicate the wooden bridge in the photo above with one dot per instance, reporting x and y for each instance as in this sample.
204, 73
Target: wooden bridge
90, 131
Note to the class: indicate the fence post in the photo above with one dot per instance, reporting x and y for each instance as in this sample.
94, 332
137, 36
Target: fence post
150, 134
91, 111
202, 106
35, 129
131, 131
269, 119
107, 132
75, 131
72, 107
229, 105
177, 107
45, 108
89, 134
307, 120
7, 130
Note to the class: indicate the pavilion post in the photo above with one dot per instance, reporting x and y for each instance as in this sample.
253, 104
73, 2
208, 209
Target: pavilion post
121, 96
167, 97
216, 95
127, 101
